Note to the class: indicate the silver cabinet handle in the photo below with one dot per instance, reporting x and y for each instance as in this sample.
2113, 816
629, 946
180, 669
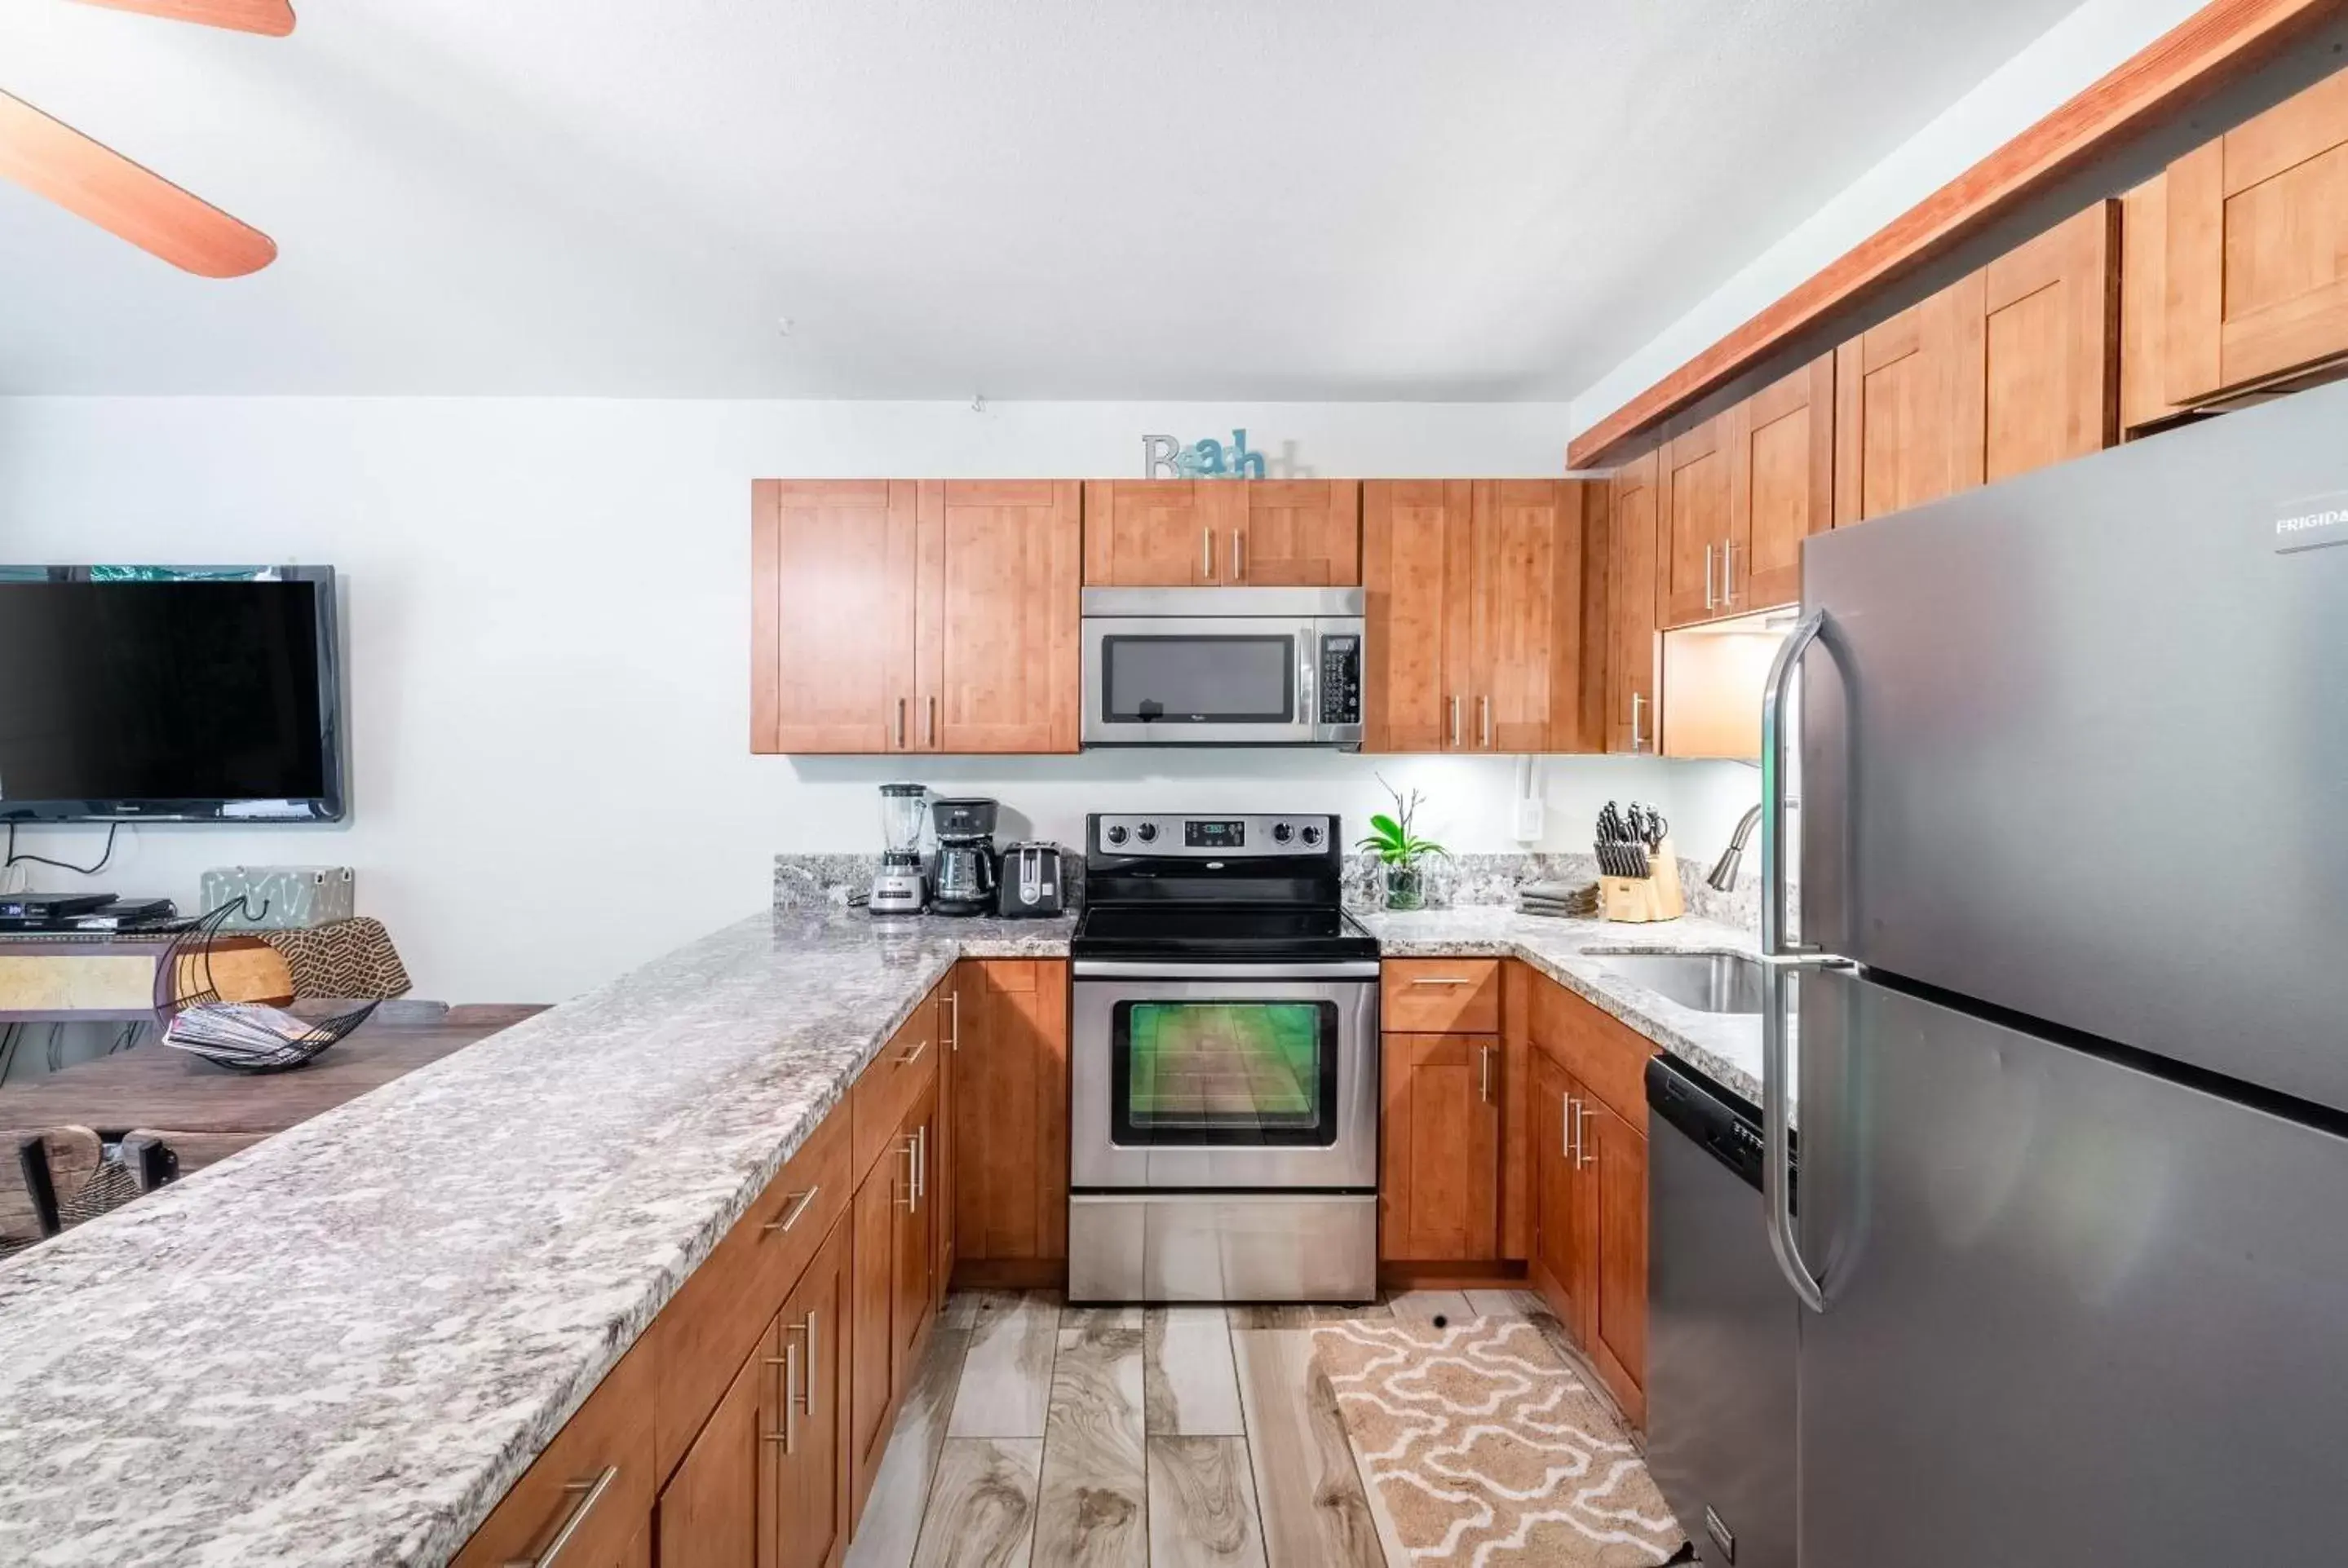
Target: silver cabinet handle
789, 1362
1565, 1126
1484, 1065
799, 1213
806, 1391
585, 1494
1708, 600
1637, 701
1440, 981
1207, 554
1239, 557
1484, 719
921, 1162
901, 723
1455, 723
1581, 1154
913, 1055
932, 736
1728, 568
912, 1202
953, 1011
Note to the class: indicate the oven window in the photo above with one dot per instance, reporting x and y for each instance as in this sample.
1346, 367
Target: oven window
1224, 1072
1199, 679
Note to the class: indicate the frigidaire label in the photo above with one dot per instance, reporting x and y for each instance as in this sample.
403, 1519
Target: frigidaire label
2312, 523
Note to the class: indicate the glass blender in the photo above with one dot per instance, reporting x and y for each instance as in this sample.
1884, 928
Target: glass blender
897, 888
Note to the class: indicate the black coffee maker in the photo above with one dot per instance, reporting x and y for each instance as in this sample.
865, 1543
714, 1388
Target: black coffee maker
966, 868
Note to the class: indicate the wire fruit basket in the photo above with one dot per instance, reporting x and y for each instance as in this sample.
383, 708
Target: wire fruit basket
243, 1037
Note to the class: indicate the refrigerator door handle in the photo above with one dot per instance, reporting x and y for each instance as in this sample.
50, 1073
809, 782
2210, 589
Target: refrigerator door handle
1778, 1138
1774, 943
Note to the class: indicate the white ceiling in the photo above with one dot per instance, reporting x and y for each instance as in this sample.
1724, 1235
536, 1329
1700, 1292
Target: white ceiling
1064, 199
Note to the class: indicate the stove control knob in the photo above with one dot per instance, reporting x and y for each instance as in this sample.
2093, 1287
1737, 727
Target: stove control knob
1146, 832
1115, 833
1281, 832
1311, 834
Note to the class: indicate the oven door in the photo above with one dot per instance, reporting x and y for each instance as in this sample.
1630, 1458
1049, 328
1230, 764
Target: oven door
1185, 681
1224, 1076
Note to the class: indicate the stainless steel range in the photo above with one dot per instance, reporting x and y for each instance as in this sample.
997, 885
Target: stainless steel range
1224, 1134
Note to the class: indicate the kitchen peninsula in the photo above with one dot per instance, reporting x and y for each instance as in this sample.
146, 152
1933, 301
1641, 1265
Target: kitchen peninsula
347, 1344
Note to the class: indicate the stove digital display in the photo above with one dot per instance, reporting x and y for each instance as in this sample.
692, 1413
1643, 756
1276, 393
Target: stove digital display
1198, 834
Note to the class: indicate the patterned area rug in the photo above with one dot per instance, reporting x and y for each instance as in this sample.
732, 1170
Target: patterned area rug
1486, 1449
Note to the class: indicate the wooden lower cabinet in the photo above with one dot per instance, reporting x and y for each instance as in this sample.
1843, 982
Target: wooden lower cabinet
1589, 1198
814, 1506
1439, 1190
720, 1505
895, 1290
1007, 1022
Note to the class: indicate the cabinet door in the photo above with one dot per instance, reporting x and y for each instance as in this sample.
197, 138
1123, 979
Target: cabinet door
1897, 443
1630, 589
1418, 538
812, 1477
2258, 248
1780, 485
942, 1173
1693, 523
1154, 533
1297, 533
2047, 388
872, 1273
1554, 1188
1525, 659
1010, 1111
998, 667
832, 638
914, 1242
719, 1511
1614, 1199
1439, 1197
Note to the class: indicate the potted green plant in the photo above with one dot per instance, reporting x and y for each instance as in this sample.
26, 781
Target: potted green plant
1399, 849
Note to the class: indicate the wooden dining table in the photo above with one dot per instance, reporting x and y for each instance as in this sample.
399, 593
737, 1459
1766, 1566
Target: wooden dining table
204, 1114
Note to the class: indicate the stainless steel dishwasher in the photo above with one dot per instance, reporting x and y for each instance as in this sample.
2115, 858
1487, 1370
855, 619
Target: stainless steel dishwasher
1721, 1326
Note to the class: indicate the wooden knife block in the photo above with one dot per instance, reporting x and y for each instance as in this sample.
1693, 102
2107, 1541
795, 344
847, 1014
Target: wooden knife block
1639, 900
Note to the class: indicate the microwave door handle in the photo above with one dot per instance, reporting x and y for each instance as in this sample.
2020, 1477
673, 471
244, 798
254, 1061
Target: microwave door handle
1308, 658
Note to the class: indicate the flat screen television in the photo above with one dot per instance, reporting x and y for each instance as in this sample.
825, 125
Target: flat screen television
193, 693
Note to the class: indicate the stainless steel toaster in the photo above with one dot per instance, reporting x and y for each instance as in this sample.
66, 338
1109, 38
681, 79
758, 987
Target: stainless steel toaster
1031, 884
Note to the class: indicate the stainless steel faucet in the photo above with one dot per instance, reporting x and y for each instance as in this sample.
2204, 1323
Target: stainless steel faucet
1724, 874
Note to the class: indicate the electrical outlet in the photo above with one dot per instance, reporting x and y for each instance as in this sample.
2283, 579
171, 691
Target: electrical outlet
1528, 821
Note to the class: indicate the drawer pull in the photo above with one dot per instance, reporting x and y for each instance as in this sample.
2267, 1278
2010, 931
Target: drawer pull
913, 1055
799, 1213
1440, 981
585, 1494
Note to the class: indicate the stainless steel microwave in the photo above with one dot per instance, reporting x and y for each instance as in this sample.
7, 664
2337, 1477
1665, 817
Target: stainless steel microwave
1223, 666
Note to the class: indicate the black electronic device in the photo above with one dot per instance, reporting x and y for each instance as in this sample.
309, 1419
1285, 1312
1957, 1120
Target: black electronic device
93, 912
47, 906
194, 694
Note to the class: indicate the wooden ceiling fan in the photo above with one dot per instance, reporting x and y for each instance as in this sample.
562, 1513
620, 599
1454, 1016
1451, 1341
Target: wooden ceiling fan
53, 159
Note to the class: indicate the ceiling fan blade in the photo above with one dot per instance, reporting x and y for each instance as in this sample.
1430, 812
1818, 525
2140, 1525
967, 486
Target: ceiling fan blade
51, 158
271, 17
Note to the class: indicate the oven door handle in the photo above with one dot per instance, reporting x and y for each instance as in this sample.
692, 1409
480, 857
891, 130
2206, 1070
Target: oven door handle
1112, 969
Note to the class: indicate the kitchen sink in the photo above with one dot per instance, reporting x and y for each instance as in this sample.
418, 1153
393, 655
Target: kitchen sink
1707, 982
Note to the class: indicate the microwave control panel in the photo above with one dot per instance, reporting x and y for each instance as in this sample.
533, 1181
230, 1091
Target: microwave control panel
1340, 679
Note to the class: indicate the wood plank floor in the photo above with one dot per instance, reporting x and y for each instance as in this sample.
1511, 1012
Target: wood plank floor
1044, 1436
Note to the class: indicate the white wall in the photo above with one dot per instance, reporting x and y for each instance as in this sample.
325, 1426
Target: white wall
2066, 59
546, 629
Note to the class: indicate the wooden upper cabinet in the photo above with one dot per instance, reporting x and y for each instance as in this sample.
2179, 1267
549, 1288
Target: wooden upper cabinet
1156, 533
2049, 379
1693, 523
1630, 606
2257, 252
832, 574
1897, 387
1294, 533
2007, 370
998, 669
1475, 596
1417, 538
1780, 446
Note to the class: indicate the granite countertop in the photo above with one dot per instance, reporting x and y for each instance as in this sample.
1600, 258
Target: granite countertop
343, 1344
1725, 1047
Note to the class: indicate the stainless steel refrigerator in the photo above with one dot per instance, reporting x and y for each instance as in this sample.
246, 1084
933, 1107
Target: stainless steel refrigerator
2072, 970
